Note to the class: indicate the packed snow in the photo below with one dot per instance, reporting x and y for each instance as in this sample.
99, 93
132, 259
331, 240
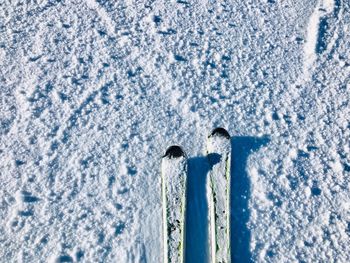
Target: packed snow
93, 92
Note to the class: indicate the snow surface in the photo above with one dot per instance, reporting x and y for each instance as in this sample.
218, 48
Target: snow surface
93, 92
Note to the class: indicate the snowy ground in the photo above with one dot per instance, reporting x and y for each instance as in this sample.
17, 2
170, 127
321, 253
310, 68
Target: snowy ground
92, 93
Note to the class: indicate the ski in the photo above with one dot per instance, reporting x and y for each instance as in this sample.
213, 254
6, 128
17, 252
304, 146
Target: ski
219, 157
174, 179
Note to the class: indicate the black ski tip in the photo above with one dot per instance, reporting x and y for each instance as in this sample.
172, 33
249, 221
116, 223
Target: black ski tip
174, 152
221, 132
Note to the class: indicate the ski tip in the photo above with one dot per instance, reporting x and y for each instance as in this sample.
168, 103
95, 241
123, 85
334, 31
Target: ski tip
220, 132
174, 152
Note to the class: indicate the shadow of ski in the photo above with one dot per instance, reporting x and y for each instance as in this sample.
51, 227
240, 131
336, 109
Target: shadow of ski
242, 147
197, 211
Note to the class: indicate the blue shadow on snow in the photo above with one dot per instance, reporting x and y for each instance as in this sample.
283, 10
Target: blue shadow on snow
197, 210
240, 195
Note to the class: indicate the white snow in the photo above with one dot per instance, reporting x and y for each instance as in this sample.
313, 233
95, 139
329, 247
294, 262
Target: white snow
323, 7
93, 92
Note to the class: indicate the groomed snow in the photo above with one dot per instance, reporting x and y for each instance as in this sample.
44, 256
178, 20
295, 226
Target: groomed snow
93, 92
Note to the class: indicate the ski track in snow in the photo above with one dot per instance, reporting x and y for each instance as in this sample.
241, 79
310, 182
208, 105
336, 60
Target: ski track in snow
93, 92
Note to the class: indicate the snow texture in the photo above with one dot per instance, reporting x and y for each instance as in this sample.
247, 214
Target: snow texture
93, 92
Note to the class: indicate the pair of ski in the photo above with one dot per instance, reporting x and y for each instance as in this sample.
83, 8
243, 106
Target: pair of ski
174, 180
